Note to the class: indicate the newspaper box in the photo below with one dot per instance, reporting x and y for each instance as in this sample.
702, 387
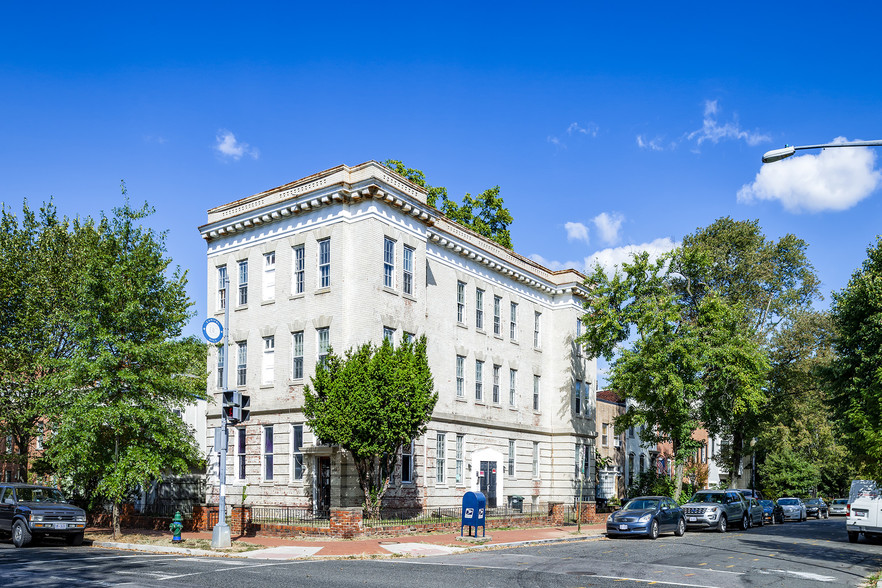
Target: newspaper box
474, 505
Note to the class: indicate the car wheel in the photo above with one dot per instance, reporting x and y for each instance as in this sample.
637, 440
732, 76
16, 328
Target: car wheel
75, 539
21, 536
721, 526
852, 537
745, 522
762, 521
653, 529
681, 528
827, 514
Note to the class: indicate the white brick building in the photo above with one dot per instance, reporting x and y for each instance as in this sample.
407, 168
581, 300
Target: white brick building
353, 254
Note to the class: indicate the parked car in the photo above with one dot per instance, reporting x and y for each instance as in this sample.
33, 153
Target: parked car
815, 507
716, 509
647, 515
749, 493
30, 512
864, 504
839, 506
772, 511
755, 513
794, 509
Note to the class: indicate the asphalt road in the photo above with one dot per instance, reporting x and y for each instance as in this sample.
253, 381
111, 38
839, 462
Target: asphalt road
811, 554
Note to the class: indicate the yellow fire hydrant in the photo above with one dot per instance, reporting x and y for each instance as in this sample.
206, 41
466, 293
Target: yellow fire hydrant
176, 526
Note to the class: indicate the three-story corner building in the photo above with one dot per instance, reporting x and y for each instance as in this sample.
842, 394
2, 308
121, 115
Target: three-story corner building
355, 254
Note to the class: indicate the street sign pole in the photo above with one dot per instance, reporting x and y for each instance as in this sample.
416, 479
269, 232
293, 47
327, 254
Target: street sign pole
220, 535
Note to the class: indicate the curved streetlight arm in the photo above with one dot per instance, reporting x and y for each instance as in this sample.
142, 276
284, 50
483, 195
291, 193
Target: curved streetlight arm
787, 151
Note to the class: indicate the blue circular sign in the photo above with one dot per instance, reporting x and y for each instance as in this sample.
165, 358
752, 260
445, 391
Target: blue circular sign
213, 330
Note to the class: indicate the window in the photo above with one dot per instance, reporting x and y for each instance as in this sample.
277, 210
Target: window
460, 302
297, 286
479, 309
297, 351
537, 317
513, 323
535, 392
497, 316
407, 463
268, 453
512, 385
8, 443
460, 454
407, 337
511, 458
220, 366
324, 344
242, 367
389, 335
243, 282
269, 275
586, 398
496, 369
642, 463
240, 453
604, 437
269, 351
535, 459
407, 263
440, 459
578, 334
631, 467
460, 376
617, 439
296, 454
577, 397
221, 287
388, 262
324, 263
630, 432
479, 380
40, 431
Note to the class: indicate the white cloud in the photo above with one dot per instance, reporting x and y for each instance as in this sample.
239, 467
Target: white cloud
228, 146
576, 232
608, 225
652, 144
555, 141
711, 130
834, 179
575, 127
610, 259
613, 258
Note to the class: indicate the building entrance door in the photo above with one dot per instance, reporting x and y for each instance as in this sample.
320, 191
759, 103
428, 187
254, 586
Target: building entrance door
323, 486
488, 482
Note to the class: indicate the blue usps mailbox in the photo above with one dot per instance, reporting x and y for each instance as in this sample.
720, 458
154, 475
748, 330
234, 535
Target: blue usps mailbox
474, 505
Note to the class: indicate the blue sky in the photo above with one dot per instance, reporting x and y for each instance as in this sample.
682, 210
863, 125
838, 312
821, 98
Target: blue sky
608, 129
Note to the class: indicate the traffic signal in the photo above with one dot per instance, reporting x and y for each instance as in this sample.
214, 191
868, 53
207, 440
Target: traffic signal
244, 407
236, 406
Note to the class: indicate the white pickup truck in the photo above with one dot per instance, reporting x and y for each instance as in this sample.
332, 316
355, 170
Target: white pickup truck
864, 510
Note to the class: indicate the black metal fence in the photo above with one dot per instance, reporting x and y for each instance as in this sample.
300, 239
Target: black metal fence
289, 515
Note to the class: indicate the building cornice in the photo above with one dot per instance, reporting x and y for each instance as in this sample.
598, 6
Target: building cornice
372, 180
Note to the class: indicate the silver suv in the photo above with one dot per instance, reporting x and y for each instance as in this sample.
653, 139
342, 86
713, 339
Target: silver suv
716, 509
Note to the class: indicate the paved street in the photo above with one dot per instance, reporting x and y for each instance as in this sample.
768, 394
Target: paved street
814, 553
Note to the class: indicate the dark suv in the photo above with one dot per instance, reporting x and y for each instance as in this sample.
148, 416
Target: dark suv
29, 512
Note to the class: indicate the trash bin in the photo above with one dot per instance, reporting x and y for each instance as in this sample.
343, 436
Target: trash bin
474, 504
516, 503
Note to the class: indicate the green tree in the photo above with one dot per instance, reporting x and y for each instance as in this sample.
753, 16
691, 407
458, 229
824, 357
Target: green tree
676, 355
855, 374
485, 214
786, 473
131, 370
371, 402
37, 266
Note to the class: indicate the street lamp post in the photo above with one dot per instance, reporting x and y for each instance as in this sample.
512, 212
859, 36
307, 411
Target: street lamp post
788, 150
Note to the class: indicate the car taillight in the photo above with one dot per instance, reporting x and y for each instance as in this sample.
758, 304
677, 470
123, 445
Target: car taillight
848, 510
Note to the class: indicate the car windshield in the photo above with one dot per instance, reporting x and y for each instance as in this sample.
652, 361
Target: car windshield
39, 495
641, 504
840, 501
707, 497
813, 501
767, 503
788, 502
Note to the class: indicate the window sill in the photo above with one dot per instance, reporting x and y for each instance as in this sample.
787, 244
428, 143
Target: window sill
496, 336
389, 290
513, 341
322, 291
480, 330
460, 398
410, 297
268, 302
480, 402
267, 386
462, 325
240, 307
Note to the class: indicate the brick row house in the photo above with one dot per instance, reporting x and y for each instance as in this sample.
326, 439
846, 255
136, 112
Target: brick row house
355, 254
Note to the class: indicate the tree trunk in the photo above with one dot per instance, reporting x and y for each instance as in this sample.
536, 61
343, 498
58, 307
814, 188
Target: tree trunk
116, 523
678, 480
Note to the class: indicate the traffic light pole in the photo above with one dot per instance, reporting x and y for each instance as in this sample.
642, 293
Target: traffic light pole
220, 535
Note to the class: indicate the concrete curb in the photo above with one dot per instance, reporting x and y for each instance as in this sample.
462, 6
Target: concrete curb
146, 547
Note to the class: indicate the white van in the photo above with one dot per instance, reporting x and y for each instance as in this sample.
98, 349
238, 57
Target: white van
864, 510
